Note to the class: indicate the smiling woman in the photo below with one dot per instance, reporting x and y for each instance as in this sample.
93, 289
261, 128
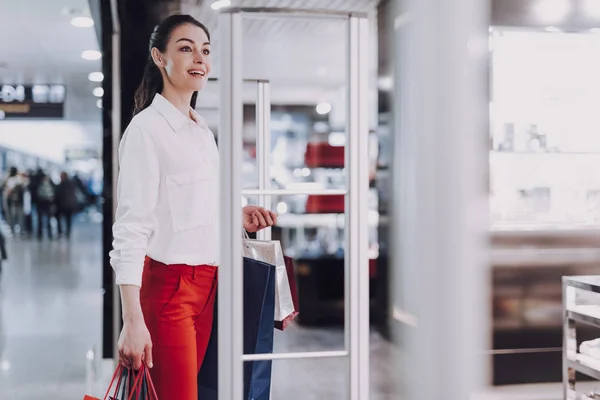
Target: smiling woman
178, 51
165, 250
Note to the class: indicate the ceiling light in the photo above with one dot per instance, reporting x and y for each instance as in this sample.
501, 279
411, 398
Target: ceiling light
82, 22
552, 29
99, 103
98, 92
552, 11
323, 108
96, 77
217, 5
91, 55
385, 83
282, 208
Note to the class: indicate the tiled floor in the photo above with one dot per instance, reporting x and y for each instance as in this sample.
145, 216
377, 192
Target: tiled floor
50, 318
50, 315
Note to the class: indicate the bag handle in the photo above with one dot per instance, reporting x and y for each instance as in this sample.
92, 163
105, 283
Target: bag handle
138, 381
151, 384
120, 371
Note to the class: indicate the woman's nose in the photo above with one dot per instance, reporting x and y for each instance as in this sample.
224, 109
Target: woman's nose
199, 59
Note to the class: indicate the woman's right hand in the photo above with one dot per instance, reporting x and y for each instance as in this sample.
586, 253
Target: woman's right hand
135, 344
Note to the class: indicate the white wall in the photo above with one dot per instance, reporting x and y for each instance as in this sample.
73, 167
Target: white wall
48, 139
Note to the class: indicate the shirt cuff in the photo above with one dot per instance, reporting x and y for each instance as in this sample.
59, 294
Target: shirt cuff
129, 274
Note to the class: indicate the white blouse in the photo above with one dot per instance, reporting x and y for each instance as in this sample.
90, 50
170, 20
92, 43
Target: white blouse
168, 190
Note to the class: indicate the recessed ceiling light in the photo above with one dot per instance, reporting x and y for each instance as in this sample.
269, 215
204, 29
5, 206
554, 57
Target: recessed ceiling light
98, 92
217, 5
96, 77
82, 22
99, 103
323, 108
91, 55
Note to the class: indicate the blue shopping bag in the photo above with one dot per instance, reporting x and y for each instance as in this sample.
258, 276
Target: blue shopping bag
259, 313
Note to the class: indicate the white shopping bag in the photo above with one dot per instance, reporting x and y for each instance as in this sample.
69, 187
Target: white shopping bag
270, 252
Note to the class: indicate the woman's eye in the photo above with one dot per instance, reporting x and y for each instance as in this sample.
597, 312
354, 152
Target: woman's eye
186, 48
206, 52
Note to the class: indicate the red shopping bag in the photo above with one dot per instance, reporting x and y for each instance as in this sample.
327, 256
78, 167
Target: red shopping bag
127, 384
291, 275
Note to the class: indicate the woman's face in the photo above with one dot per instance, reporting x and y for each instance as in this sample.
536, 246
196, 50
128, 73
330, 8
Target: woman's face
186, 61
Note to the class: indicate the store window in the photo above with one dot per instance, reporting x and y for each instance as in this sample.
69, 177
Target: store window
545, 129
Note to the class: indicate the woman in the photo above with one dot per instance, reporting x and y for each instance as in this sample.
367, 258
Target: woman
165, 234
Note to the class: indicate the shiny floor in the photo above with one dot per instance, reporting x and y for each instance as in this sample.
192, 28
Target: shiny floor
50, 322
50, 327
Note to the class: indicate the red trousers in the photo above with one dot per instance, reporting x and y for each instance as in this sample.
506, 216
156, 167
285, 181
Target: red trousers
177, 302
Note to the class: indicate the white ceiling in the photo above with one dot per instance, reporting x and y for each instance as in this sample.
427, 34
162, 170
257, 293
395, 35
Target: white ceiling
39, 45
304, 59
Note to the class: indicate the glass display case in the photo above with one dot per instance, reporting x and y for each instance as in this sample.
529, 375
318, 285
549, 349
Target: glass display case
545, 129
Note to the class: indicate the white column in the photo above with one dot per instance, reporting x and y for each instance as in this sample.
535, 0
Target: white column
440, 219
230, 269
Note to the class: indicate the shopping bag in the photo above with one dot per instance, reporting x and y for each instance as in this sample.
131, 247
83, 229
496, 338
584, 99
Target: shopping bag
270, 252
127, 384
291, 275
259, 311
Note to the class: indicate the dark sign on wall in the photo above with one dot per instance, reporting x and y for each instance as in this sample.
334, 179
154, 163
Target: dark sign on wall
37, 101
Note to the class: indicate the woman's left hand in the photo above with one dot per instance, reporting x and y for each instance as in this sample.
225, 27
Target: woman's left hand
257, 218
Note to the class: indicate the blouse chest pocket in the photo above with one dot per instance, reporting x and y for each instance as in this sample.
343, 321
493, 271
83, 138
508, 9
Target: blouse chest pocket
192, 199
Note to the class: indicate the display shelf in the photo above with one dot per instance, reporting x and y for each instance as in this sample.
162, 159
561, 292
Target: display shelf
328, 220
584, 369
579, 289
589, 316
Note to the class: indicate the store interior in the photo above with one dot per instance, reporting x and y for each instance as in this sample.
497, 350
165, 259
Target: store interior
544, 192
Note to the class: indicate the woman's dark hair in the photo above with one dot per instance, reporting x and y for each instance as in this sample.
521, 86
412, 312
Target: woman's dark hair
152, 82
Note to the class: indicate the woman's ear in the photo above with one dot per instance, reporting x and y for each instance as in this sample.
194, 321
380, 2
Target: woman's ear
157, 57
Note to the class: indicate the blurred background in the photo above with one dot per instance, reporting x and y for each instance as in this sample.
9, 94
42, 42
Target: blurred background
484, 186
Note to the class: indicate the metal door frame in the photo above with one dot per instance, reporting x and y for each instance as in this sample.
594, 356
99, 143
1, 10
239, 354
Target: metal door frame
356, 329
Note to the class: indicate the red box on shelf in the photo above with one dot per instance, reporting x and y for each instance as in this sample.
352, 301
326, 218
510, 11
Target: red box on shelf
324, 155
325, 204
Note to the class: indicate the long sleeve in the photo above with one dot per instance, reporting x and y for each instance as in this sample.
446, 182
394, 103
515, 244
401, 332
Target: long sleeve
137, 194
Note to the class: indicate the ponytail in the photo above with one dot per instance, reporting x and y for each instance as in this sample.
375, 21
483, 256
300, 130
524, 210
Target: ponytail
152, 84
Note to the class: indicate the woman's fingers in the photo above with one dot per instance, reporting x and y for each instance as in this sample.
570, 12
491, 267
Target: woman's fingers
268, 216
262, 223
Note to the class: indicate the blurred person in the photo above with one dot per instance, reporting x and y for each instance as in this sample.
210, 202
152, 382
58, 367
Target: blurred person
67, 203
14, 190
3, 252
34, 182
82, 190
46, 194
165, 253
27, 209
